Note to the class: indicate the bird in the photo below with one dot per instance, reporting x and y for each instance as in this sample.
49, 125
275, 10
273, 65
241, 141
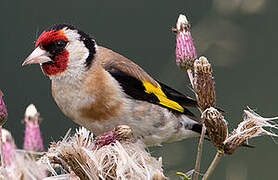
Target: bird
99, 89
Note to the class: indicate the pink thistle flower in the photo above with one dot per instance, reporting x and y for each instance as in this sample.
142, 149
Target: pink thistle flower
3, 110
8, 147
32, 138
106, 138
185, 50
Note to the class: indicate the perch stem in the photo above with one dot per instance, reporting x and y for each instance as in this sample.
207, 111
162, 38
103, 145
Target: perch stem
199, 154
201, 140
213, 164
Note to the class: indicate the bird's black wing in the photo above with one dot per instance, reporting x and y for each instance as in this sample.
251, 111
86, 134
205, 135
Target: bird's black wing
160, 94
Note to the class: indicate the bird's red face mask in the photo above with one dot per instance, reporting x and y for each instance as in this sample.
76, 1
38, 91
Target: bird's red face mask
50, 52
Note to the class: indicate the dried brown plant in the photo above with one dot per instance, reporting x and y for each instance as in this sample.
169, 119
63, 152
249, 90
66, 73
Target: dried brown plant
120, 159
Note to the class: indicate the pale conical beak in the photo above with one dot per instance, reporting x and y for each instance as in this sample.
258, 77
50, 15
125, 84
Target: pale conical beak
38, 56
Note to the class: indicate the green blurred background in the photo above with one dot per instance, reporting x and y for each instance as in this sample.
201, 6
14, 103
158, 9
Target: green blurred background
239, 37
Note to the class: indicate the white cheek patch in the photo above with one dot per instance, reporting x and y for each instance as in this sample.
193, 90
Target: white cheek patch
78, 53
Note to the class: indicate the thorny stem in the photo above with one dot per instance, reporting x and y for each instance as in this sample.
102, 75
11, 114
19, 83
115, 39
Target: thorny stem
199, 153
213, 164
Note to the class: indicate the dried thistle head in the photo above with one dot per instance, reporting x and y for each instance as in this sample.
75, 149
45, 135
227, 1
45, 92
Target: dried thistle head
123, 133
26, 166
122, 159
216, 126
204, 83
84, 138
70, 154
252, 126
32, 138
185, 50
127, 160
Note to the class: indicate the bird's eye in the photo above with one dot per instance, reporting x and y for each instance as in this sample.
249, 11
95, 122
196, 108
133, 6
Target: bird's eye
61, 44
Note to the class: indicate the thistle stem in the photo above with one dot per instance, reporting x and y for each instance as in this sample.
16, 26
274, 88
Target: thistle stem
199, 154
201, 140
213, 164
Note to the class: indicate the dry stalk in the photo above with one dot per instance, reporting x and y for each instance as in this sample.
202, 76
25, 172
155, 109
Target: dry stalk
213, 164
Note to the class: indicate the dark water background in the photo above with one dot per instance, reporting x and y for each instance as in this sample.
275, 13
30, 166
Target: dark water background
239, 37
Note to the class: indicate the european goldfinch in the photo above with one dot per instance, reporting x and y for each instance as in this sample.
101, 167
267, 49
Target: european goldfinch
100, 89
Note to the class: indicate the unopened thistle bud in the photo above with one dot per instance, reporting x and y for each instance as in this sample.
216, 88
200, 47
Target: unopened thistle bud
185, 50
251, 126
204, 83
3, 110
216, 126
8, 146
32, 138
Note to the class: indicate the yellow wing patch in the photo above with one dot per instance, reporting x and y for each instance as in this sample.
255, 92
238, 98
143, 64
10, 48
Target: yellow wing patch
163, 100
